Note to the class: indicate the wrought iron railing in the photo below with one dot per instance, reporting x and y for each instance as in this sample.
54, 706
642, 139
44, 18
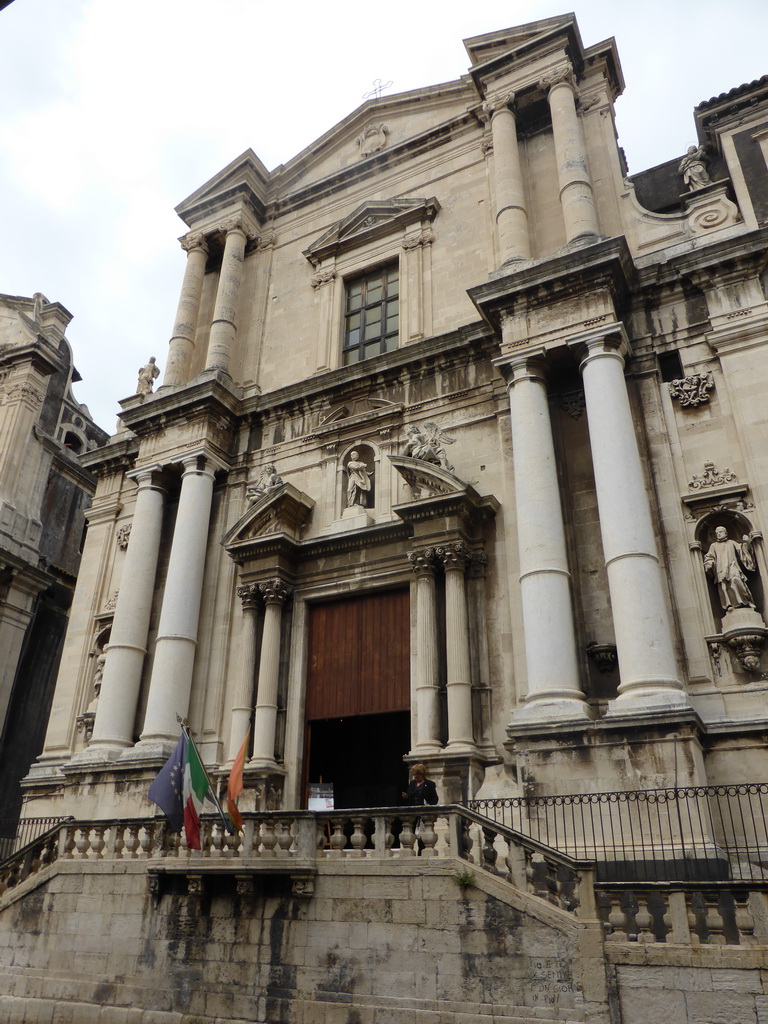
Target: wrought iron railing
16, 833
695, 834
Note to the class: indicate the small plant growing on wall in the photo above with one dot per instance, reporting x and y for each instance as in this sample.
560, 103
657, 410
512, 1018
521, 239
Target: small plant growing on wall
464, 878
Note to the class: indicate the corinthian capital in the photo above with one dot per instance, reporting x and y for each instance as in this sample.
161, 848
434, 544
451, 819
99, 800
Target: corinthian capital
562, 73
423, 561
275, 591
194, 240
249, 595
454, 556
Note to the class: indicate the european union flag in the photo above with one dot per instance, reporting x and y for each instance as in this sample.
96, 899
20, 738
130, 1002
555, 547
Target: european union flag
166, 790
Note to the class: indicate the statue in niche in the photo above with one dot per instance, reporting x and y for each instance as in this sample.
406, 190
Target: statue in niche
269, 480
427, 445
358, 481
147, 376
725, 561
694, 169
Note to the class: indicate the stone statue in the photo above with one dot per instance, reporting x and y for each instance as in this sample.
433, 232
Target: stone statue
693, 169
427, 445
147, 376
725, 562
269, 480
358, 481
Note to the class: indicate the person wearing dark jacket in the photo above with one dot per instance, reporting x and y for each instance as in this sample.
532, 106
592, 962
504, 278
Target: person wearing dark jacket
421, 790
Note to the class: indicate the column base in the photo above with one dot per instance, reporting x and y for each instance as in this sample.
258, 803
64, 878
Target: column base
550, 711
649, 698
147, 750
98, 754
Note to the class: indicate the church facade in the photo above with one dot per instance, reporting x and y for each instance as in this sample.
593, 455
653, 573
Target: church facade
457, 457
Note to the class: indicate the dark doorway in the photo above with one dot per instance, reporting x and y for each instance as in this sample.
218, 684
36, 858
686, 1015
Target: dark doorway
362, 756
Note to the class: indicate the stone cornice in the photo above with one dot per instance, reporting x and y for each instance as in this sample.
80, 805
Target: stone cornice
118, 454
369, 221
210, 394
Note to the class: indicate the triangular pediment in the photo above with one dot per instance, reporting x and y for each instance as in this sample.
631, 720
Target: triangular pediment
370, 219
284, 511
522, 37
242, 183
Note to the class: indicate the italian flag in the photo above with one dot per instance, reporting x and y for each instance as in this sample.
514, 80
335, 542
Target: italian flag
194, 792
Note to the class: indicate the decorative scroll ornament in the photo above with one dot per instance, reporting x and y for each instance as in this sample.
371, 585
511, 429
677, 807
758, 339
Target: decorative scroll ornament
422, 561
573, 404
112, 602
711, 477
425, 237
454, 556
323, 277
497, 102
194, 240
692, 390
562, 73
372, 139
275, 591
746, 648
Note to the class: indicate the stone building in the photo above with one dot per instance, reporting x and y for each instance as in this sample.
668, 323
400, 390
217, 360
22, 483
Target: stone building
44, 492
458, 458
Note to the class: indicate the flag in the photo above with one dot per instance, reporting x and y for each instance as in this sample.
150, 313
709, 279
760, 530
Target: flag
195, 790
235, 784
167, 789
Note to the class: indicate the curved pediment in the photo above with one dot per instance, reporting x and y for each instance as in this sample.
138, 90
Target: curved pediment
284, 511
426, 479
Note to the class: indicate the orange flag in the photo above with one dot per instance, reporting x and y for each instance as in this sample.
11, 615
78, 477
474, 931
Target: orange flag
235, 784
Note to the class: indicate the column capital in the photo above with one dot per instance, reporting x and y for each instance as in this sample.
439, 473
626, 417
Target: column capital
194, 240
249, 595
529, 365
146, 476
497, 103
478, 564
200, 460
454, 556
423, 561
606, 340
275, 591
235, 223
560, 75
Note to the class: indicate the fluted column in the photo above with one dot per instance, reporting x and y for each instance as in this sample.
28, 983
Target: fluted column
274, 593
643, 630
459, 678
182, 343
554, 691
426, 681
127, 648
576, 198
511, 212
223, 328
243, 702
171, 682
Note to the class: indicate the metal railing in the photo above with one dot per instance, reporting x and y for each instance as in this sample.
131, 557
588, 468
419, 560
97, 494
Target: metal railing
16, 833
695, 834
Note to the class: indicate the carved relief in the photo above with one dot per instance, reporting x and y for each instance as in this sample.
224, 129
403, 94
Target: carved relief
123, 536
605, 656
423, 561
425, 237
454, 556
711, 477
746, 648
322, 277
692, 389
372, 140
111, 602
268, 481
562, 73
275, 591
573, 404
193, 240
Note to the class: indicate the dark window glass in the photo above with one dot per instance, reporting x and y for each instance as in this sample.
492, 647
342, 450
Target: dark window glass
371, 321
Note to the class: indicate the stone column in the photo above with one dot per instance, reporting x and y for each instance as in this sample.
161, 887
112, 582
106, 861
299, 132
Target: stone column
459, 677
182, 343
171, 682
243, 705
426, 681
554, 691
511, 212
576, 196
643, 632
127, 648
274, 594
223, 324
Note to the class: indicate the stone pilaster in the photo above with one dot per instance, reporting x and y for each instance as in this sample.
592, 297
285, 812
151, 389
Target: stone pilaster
511, 212
576, 196
554, 691
649, 678
274, 593
127, 648
182, 343
459, 677
223, 327
426, 676
243, 698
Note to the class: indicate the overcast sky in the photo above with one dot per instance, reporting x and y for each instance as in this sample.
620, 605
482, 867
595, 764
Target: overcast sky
112, 113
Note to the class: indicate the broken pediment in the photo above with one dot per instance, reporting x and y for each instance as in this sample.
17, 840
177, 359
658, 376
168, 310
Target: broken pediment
493, 44
242, 183
370, 220
437, 494
284, 511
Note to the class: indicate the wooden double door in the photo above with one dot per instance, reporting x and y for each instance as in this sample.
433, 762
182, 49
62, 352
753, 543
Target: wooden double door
358, 697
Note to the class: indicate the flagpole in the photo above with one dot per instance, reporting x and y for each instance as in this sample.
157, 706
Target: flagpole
225, 820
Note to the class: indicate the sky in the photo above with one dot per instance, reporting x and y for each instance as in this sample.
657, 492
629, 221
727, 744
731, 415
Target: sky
111, 114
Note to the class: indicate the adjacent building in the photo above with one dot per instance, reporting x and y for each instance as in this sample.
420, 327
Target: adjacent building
458, 457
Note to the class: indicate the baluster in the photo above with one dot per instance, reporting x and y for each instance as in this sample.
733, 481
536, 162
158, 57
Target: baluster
285, 837
98, 841
145, 835
644, 920
467, 842
83, 842
357, 839
322, 836
616, 920
338, 839
744, 920
131, 841
248, 837
697, 918
443, 845
256, 825
489, 851
715, 922
68, 842
269, 838
516, 866
118, 836
428, 836
407, 839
